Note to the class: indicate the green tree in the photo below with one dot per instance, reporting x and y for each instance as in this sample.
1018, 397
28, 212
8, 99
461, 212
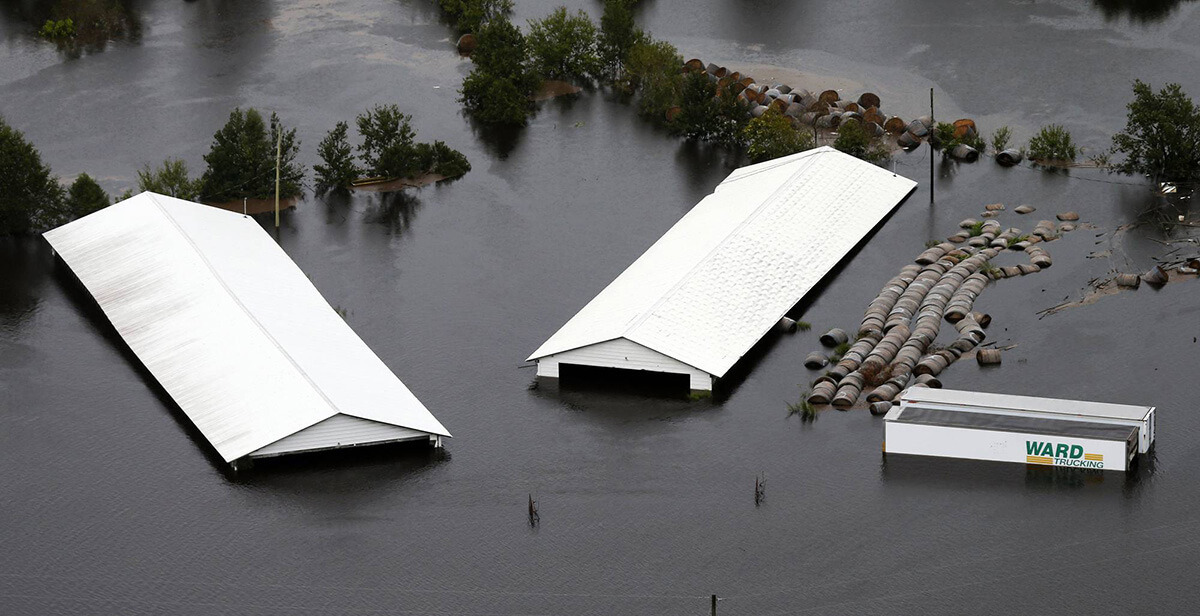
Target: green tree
439, 158
1052, 143
772, 135
85, 196
618, 36
854, 140
30, 197
171, 179
340, 168
387, 142
1161, 139
498, 90
705, 115
654, 68
470, 15
241, 161
1000, 138
563, 46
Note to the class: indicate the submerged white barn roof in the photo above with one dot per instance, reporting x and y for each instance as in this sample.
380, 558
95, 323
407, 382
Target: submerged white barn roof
719, 279
234, 331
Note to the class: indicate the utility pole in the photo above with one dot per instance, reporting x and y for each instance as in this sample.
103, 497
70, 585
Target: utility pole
932, 132
279, 154
714, 605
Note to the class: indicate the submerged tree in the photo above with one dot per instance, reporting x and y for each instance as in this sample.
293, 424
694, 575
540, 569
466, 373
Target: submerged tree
470, 15
171, 179
31, 198
854, 140
1053, 143
709, 115
498, 90
241, 161
563, 46
653, 68
387, 145
618, 36
1161, 139
84, 197
340, 168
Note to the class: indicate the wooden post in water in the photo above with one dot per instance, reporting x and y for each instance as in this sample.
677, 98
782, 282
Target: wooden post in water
714, 605
278, 155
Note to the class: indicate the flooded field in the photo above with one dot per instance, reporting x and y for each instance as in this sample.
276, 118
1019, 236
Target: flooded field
113, 503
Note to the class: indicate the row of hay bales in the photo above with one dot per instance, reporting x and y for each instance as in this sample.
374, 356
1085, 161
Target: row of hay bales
823, 110
894, 347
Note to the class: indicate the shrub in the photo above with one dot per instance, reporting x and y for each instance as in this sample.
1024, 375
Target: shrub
618, 36
563, 46
653, 67
241, 161
340, 168
31, 198
58, 30
442, 159
853, 139
470, 15
171, 178
771, 135
1162, 135
1052, 143
945, 139
498, 90
1000, 138
85, 196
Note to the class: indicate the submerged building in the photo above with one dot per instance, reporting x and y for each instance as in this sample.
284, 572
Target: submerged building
235, 332
715, 283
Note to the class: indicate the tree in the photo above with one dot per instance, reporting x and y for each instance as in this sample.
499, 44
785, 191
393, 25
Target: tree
340, 168
1162, 135
653, 67
441, 159
241, 161
171, 179
387, 145
30, 197
470, 15
771, 135
84, 197
853, 139
498, 89
564, 46
1052, 143
618, 36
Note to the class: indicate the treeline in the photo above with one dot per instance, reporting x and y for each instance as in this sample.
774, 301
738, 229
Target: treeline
240, 163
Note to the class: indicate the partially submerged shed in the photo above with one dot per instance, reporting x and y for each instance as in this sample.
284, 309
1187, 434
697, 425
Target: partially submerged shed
715, 283
235, 332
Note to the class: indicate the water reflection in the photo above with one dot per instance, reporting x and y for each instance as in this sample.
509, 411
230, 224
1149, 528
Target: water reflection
395, 211
1144, 11
96, 23
23, 268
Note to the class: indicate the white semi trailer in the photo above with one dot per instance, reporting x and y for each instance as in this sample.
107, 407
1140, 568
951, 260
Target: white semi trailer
1004, 428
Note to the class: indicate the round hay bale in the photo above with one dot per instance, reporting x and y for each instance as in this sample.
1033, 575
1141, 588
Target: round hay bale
1068, 216
1155, 276
694, 65
1024, 209
808, 118
822, 392
847, 395
988, 357
908, 141
871, 114
784, 88
992, 207
721, 72
964, 127
1041, 261
1011, 271
869, 99
964, 152
829, 97
711, 68
1009, 157
834, 337
895, 126
815, 361
982, 318
968, 223
746, 81
917, 128
467, 44
758, 110
1066, 227
926, 120
929, 381
881, 407
773, 93
794, 110
735, 76
852, 107
1029, 268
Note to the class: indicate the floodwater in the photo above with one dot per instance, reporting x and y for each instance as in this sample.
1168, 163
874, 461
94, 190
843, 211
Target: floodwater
113, 504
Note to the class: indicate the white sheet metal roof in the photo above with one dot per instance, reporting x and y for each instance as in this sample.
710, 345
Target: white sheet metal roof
228, 323
719, 279
1024, 404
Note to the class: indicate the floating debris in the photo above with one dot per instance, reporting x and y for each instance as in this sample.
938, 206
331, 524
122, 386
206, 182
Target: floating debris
1024, 209
1155, 276
1068, 216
